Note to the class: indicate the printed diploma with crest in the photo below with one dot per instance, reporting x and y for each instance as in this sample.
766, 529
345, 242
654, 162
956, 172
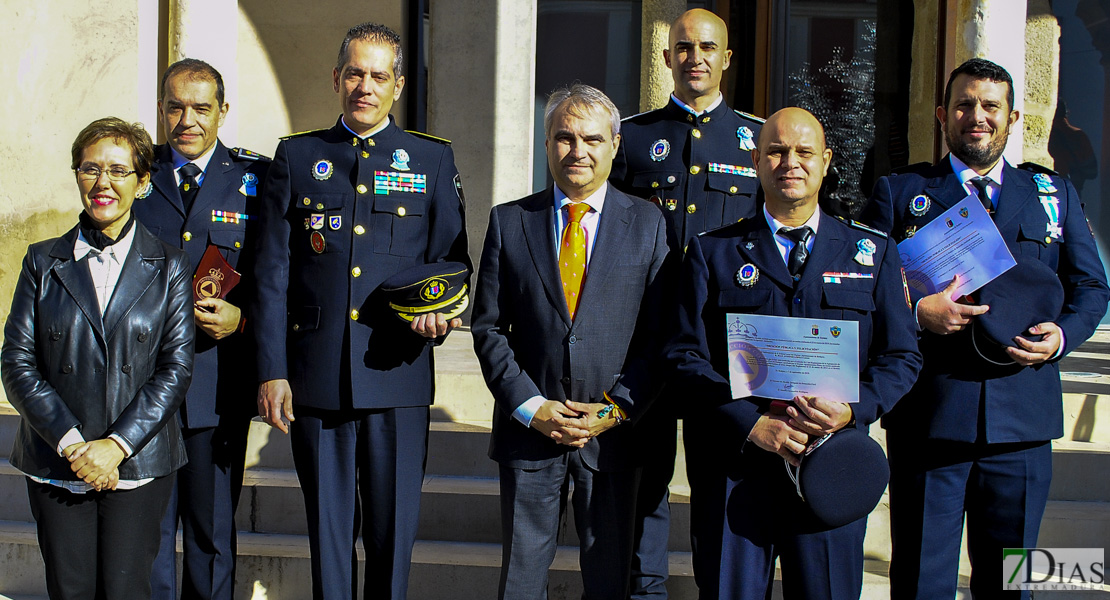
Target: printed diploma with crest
782, 357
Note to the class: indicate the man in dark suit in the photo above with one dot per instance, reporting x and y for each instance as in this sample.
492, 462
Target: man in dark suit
202, 195
345, 209
693, 158
565, 327
973, 435
793, 260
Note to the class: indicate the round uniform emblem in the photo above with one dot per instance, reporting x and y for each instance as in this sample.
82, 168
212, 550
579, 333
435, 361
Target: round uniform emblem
660, 149
250, 179
322, 169
317, 241
747, 275
919, 205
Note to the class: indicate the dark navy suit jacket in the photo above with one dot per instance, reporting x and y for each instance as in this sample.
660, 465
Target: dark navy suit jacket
321, 322
525, 339
223, 372
709, 288
1021, 404
715, 145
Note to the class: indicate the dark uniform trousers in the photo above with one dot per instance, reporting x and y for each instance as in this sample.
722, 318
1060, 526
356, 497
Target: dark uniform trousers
341, 215
699, 169
972, 437
215, 417
745, 512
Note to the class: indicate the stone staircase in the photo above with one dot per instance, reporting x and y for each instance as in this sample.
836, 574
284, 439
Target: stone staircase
458, 552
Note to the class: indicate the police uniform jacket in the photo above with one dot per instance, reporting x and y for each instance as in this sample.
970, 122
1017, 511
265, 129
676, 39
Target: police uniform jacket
528, 345
66, 365
699, 169
225, 215
961, 396
872, 296
339, 216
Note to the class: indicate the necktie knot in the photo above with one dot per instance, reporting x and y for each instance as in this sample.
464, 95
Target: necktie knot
577, 210
189, 170
982, 184
798, 255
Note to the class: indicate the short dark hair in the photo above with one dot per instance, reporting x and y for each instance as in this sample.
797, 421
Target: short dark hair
114, 128
195, 69
981, 68
373, 33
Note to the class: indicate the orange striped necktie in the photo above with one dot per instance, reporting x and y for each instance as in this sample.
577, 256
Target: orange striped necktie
572, 255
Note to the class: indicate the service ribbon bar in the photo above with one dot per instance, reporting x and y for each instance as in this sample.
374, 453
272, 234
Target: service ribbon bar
730, 169
392, 181
219, 216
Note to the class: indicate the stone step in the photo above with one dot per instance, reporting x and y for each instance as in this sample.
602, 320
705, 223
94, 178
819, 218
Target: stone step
1080, 471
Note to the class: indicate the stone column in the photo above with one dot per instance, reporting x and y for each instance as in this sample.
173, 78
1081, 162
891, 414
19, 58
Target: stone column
656, 84
481, 95
1042, 79
922, 120
209, 30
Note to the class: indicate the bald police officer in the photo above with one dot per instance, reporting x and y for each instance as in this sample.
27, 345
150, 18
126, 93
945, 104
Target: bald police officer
692, 157
345, 209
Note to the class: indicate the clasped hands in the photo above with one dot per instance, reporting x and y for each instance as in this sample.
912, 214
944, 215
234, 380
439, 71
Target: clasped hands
574, 423
940, 314
788, 432
96, 462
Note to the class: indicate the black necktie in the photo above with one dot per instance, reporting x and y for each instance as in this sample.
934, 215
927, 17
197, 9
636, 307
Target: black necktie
800, 236
981, 184
189, 186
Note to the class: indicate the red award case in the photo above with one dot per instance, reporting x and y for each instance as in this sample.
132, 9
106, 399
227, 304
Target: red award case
214, 277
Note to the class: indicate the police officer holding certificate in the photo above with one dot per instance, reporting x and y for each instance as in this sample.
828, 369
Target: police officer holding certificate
346, 209
790, 260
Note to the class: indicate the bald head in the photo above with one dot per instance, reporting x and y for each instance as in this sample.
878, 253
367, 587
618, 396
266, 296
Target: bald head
791, 160
698, 56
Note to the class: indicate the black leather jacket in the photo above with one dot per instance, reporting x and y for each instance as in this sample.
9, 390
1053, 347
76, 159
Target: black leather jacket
65, 366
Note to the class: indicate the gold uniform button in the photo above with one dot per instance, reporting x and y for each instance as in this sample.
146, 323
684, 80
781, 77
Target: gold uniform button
369, 142
1047, 240
692, 209
696, 133
354, 314
319, 206
694, 170
655, 184
365, 154
238, 245
732, 190
671, 179
187, 236
690, 118
401, 211
307, 201
359, 230
354, 141
356, 271
705, 119
361, 188
296, 327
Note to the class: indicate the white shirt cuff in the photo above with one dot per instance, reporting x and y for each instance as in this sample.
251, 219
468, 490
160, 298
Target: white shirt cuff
127, 449
73, 436
526, 411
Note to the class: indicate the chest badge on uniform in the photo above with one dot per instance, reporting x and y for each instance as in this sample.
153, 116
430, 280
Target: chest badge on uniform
749, 245
334, 222
866, 252
1051, 206
672, 203
919, 205
746, 138
1044, 183
660, 150
910, 231
316, 221
250, 185
143, 193
322, 169
317, 242
400, 160
747, 275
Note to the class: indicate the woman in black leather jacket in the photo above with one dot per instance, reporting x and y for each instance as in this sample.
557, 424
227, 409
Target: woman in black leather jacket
97, 356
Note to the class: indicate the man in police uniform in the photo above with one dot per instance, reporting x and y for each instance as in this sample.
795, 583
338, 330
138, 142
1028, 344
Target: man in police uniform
692, 157
205, 195
973, 435
346, 208
790, 260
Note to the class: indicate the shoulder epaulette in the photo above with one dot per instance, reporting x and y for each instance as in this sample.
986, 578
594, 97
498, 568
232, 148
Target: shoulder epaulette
914, 168
300, 133
750, 116
430, 137
722, 227
1034, 167
248, 154
636, 115
857, 225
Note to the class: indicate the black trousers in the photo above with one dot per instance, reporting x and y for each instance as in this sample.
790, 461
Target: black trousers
99, 545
